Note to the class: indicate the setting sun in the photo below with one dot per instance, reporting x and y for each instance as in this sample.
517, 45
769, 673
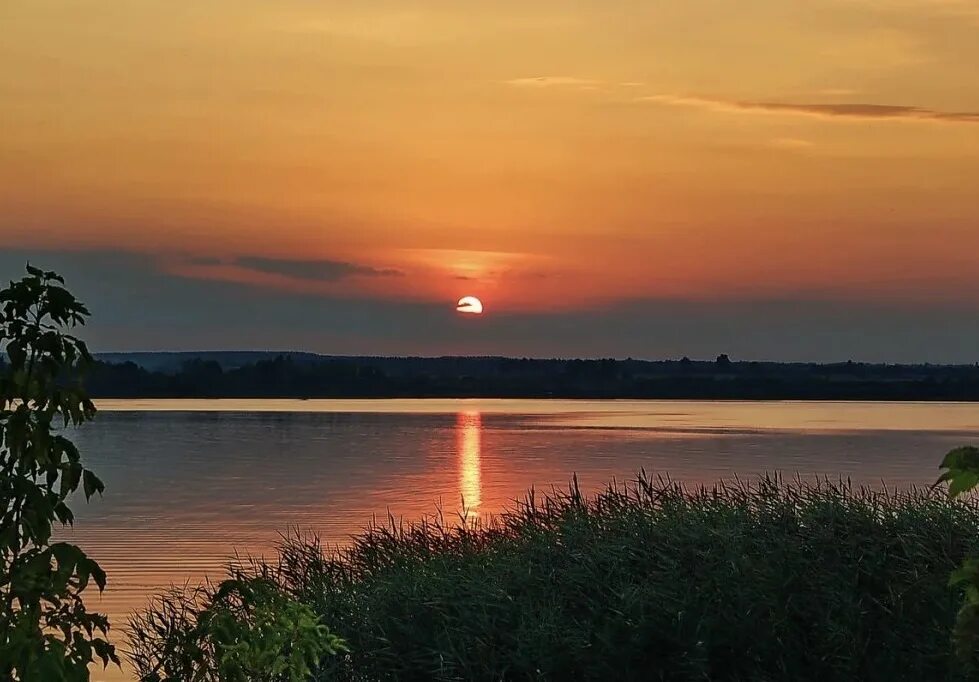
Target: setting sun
470, 305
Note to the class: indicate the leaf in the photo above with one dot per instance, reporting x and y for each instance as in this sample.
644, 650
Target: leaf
105, 651
964, 457
64, 514
91, 484
962, 470
966, 573
98, 575
963, 481
70, 476
67, 556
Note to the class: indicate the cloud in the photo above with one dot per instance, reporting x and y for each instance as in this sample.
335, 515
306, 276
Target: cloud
572, 83
880, 112
553, 81
954, 9
836, 92
689, 101
315, 270
877, 111
138, 307
791, 143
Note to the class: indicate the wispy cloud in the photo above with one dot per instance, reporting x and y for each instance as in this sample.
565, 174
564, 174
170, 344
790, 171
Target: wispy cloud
836, 92
955, 9
316, 270
554, 82
791, 143
828, 111
571, 83
879, 111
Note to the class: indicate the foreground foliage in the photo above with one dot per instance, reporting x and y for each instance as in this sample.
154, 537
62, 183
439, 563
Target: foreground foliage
245, 629
961, 467
46, 633
769, 581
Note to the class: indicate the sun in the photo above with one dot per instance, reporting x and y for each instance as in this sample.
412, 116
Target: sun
470, 305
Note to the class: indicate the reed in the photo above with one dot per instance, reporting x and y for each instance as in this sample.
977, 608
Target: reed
767, 580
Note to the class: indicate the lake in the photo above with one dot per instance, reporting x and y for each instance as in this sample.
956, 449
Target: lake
189, 482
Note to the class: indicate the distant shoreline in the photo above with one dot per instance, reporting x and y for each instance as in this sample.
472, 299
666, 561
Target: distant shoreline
309, 376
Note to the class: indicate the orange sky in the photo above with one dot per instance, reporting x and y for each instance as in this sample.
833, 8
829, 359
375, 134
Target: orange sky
539, 155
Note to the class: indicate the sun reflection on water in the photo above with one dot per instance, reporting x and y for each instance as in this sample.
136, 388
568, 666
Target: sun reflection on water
469, 426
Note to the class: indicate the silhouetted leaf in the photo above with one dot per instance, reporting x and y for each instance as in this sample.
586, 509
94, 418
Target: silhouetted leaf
64, 514
70, 476
91, 484
98, 575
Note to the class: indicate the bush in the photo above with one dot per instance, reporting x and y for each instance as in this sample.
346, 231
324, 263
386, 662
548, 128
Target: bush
961, 467
770, 581
46, 632
246, 629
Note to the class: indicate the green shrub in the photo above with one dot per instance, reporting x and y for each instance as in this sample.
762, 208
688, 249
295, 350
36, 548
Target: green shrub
246, 629
46, 633
771, 581
961, 467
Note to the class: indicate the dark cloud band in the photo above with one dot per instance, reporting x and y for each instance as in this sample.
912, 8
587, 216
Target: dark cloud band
315, 270
839, 111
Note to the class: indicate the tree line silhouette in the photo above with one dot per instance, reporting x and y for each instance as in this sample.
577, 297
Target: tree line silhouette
310, 376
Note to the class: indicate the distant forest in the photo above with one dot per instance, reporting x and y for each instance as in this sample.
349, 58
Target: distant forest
304, 375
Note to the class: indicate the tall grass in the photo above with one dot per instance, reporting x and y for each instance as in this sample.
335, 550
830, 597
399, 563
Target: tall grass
771, 580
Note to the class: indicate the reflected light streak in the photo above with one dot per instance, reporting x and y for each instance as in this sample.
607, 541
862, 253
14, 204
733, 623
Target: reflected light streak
469, 427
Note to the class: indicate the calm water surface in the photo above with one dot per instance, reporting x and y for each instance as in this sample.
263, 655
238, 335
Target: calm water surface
188, 482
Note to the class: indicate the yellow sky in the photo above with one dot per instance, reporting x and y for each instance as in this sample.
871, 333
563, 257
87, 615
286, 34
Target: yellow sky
573, 152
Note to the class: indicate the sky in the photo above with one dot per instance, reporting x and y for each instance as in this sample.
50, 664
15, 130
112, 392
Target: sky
768, 179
